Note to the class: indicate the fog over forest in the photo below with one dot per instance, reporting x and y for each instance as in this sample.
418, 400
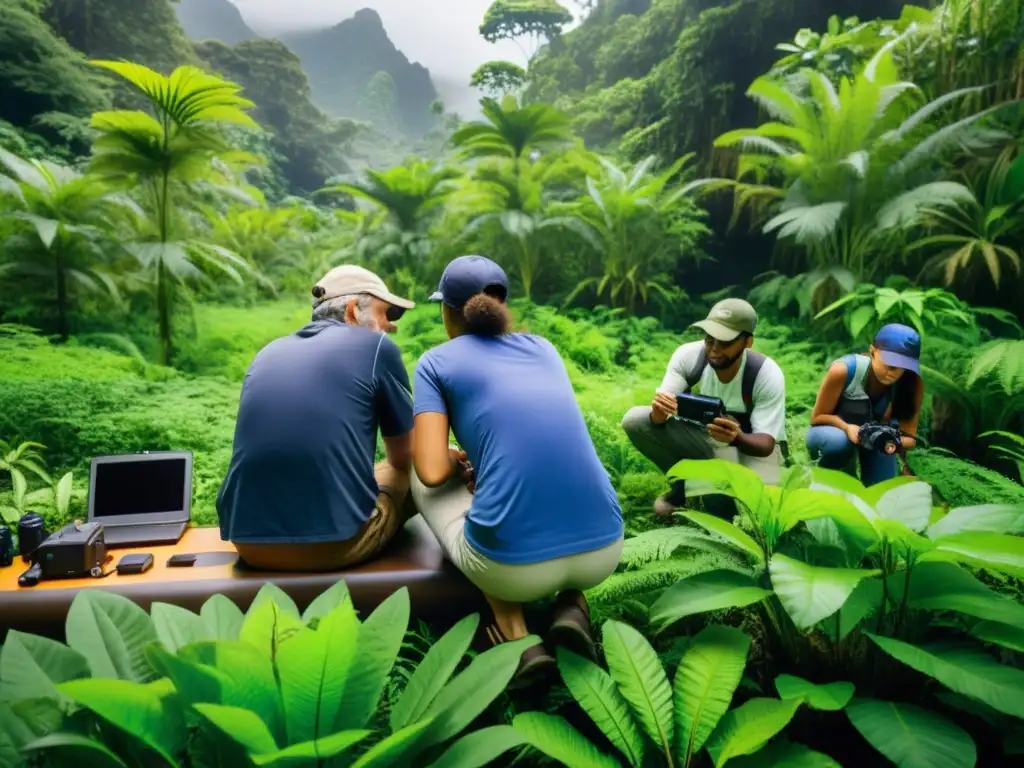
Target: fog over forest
442, 36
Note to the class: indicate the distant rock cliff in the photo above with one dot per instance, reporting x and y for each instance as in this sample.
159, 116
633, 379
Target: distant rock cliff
342, 61
214, 20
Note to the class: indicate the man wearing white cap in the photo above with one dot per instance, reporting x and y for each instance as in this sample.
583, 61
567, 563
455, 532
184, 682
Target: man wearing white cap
302, 491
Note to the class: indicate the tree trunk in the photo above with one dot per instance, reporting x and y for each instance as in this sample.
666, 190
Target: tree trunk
62, 299
163, 309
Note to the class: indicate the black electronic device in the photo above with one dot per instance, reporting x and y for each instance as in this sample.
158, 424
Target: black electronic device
884, 438
6, 546
700, 408
31, 533
181, 561
134, 564
76, 551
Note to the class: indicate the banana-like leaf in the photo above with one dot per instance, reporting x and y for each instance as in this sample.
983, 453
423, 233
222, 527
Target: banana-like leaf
1000, 634
87, 751
708, 591
963, 669
988, 518
595, 692
942, 586
111, 632
910, 736
637, 671
33, 666
177, 627
707, 676
553, 736
480, 748
996, 551
747, 728
433, 673
739, 538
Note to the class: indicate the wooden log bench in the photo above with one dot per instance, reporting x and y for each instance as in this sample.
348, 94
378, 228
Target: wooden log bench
413, 559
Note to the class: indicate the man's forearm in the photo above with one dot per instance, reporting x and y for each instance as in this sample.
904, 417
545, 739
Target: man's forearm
758, 444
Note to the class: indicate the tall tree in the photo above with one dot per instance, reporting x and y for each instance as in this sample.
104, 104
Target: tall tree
164, 153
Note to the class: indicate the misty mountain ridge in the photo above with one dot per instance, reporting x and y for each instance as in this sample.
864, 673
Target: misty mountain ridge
354, 68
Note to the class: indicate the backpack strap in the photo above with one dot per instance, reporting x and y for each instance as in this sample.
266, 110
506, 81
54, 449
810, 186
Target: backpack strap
755, 361
851, 370
694, 374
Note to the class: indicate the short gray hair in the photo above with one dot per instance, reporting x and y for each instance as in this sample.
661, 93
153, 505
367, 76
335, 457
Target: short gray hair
334, 309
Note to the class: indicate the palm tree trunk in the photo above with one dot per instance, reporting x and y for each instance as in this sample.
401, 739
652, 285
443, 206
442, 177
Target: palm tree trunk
62, 299
163, 303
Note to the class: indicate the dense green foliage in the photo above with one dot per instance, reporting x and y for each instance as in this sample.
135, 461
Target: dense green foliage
160, 222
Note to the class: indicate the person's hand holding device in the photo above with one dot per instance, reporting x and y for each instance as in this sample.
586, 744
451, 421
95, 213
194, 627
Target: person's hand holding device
663, 407
463, 469
724, 430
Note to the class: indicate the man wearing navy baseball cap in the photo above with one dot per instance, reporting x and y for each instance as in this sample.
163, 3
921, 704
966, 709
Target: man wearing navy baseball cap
862, 392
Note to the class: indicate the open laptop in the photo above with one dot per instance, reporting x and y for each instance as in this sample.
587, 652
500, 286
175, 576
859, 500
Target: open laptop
141, 498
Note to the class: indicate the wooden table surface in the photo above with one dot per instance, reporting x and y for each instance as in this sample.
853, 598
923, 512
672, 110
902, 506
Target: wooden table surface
414, 559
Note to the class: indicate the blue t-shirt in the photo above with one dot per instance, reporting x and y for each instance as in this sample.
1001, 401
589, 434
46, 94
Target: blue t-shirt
302, 466
541, 491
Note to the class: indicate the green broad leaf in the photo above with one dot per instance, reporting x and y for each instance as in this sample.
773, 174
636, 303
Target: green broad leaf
785, 754
995, 551
14, 734
963, 669
246, 676
326, 601
1000, 634
112, 633
637, 671
912, 737
864, 601
323, 748
810, 593
909, 503
741, 482
176, 627
396, 749
380, 639
595, 692
553, 736
805, 504
195, 683
267, 626
984, 518
470, 692
830, 697
270, 592
31, 667
222, 618
706, 679
708, 591
433, 673
938, 586
747, 728
46, 229
312, 666
838, 481
243, 726
62, 493
729, 532
480, 748
86, 751
150, 712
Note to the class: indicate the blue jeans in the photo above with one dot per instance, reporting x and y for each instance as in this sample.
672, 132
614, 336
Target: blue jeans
832, 449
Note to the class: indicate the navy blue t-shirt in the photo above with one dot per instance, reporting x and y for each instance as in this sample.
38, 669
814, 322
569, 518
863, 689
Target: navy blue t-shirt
541, 491
302, 466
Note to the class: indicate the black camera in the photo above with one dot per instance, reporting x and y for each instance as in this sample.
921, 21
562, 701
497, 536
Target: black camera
76, 551
699, 408
884, 438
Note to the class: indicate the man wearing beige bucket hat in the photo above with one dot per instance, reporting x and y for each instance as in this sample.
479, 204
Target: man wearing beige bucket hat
301, 491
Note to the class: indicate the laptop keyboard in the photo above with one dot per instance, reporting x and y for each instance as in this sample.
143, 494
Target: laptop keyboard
129, 535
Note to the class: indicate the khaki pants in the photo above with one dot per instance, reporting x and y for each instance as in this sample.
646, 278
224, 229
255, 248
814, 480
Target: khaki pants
389, 514
445, 509
675, 440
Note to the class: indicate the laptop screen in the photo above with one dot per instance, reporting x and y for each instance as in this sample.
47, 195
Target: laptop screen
139, 487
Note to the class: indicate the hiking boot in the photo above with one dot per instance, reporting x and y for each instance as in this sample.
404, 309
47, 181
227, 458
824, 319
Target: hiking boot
571, 626
535, 665
666, 504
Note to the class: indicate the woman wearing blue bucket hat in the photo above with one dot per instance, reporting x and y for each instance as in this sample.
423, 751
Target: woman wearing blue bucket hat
860, 396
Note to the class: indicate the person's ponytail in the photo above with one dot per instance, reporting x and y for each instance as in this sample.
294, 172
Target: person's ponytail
486, 316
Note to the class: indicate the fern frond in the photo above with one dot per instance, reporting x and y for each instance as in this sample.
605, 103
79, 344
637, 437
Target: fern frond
661, 544
624, 585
